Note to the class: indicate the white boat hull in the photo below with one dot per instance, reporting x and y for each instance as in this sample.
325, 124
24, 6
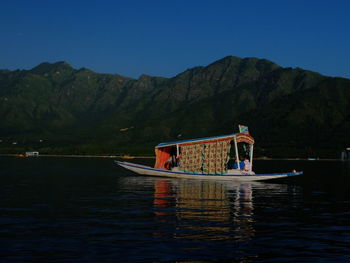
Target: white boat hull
230, 176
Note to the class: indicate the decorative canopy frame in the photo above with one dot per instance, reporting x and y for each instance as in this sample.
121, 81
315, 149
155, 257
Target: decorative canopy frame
240, 137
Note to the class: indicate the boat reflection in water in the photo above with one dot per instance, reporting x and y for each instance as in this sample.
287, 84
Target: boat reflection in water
206, 210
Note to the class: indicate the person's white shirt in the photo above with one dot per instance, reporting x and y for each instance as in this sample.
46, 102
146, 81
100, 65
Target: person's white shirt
246, 165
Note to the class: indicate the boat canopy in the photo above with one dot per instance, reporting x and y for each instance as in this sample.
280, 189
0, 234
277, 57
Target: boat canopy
240, 137
196, 151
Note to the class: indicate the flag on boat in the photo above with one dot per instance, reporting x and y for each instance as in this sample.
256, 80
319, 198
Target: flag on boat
243, 129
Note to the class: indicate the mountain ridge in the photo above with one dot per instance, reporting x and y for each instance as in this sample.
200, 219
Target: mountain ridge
78, 110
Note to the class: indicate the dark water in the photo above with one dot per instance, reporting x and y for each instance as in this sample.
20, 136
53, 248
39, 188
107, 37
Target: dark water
89, 210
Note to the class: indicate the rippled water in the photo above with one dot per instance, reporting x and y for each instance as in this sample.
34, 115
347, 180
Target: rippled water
90, 210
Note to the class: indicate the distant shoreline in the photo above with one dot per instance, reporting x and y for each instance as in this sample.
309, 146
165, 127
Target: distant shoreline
153, 157
81, 156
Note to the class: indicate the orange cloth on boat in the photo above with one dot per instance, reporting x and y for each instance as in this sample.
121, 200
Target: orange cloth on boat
162, 155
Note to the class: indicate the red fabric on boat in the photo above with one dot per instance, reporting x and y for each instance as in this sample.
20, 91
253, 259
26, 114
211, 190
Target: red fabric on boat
162, 155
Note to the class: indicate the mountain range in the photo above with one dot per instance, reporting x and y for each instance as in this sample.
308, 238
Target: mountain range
291, 112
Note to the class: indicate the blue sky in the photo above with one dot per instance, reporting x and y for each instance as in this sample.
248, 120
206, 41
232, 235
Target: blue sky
164, 38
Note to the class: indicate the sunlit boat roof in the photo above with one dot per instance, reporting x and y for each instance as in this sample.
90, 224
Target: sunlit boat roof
205, 139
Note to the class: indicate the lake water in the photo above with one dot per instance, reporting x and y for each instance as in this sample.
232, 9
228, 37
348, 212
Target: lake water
90, 210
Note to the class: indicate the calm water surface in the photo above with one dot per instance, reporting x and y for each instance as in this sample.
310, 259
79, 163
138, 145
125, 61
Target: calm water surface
90, 210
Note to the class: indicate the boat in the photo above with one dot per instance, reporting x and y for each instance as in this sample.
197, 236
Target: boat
206, 158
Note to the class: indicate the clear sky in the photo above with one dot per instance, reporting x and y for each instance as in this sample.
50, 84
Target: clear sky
166, 37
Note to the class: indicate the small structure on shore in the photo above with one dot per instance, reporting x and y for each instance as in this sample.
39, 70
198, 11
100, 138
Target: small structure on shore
32, 154
345, 155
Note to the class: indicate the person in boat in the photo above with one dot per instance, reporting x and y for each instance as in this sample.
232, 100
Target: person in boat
172, 161
168, 163
178, 157
246, 164
241, 164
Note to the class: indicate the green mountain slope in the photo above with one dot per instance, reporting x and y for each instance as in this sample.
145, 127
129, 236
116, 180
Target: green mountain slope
290, 112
